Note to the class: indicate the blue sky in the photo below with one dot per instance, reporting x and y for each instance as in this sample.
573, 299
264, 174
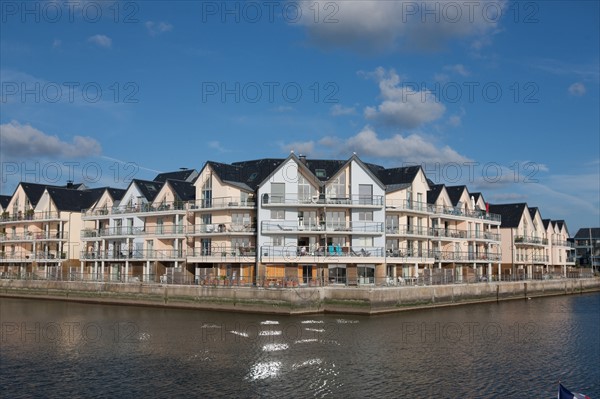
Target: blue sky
502, 96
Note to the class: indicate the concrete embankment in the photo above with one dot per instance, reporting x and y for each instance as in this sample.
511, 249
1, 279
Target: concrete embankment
331, 299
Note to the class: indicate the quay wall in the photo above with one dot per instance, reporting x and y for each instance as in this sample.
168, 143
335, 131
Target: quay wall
330, 299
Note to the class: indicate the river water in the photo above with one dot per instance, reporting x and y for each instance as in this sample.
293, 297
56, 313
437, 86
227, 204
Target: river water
514, 349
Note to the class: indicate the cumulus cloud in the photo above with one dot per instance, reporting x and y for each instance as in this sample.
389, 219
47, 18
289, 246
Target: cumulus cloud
402, 106
367, 143
459, 69
156, 28
26, 141
384, 25
340, 110
577, 89
101, 40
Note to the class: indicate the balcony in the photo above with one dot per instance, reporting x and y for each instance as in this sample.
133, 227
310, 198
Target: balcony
562, 243
331, 254
407, 206
130, 231
530, 240
411, 256
448, 233
320, 201
485, 235
30, 236
223, 203
224, 253
408, 231
221, 228
176, 207
29, 216
135, 255
29, 256
465, 256
293, 227
453, 212
539, 258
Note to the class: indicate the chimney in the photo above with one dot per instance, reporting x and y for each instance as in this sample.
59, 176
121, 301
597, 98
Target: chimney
302, 158
69, 183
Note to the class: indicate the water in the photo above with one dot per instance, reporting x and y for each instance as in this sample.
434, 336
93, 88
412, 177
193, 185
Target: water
512, 349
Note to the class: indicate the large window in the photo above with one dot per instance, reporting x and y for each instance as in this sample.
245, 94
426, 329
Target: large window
278, 193
337, 274
337, 187
277, 214
365, 194
366, 274
305, 191
336, 220
240, 219
207, 193
391, 224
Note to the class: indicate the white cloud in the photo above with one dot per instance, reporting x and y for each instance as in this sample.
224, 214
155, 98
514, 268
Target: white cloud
403, 106
216, 145
156, 28
387, 25
458, 69
56, 43
366, 143
340, 110
101, 40
454, 121
577, 89
25, 141
283, 108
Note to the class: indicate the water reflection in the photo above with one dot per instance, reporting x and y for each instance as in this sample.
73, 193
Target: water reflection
511, 349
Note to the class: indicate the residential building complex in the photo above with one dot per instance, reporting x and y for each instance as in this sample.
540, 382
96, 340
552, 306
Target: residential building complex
278, 222
587, 247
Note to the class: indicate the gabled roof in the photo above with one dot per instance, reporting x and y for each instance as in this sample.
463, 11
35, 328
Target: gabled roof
547, 222
34, 191
510, 213
115, 193
245, 174
532, 211
73, 200
585, 232
477, 196
455, 192
560, 224
434, 192
403, 175
149, 189
185, 191
187, 175
329, 167
4, 200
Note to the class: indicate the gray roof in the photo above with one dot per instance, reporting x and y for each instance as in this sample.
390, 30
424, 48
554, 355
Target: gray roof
511, 213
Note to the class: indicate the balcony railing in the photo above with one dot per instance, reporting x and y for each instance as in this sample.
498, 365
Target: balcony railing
29, 256
42, 236
539, 258
223, 202
466, 256
283, 227
405, 205
562, 243
28, 216
449, 233
224, 252
166, 207
320, 200
455, 211
298, 253
133, 231
530, 240
408, 230
145, 254
222, 228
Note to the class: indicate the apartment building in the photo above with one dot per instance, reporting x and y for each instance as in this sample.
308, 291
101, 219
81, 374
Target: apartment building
139, 233
39, 229
278, 222
587, 247
531, 247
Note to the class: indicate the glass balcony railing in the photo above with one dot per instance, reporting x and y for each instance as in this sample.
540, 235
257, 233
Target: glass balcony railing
275, 226
405, 205
149, 254
530, 240
122, 231
31, 236
28, 215
321, 200
222, 228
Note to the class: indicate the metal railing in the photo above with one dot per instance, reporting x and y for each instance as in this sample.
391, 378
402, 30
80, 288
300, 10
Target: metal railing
133, 231
332, 251
456, 211
283, 226
147, 254
28, 215
405, 205
223, 202
29, 256
39, 236
166, 207
520, 239
216, 228
322, 200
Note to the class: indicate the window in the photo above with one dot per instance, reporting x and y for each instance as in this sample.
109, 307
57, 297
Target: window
205, 246
337, 187
240, 219
277, 214
365, 241
337, 274
305, 191
365, 216
277, 241
391, 224
207, 193
365, 194
240, 242
366, 274
278, 193
320, 173
336, 220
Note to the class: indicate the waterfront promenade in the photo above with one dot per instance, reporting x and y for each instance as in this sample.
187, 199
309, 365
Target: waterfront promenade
365, 299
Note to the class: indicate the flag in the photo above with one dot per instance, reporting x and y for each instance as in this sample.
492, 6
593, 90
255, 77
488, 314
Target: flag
564, 393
